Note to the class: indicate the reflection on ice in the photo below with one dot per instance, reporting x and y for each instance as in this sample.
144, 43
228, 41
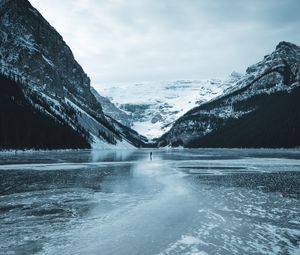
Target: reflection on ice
112, 155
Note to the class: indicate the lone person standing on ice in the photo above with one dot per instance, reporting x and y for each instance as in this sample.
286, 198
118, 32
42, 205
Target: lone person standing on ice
150, 155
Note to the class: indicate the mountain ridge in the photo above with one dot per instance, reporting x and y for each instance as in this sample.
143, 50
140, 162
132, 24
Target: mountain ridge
277, 73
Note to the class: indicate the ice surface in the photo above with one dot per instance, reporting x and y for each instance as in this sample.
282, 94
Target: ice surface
120, 202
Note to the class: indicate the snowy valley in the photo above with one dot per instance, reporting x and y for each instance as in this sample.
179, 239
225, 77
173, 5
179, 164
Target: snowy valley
234, 112
171, 167
152, 107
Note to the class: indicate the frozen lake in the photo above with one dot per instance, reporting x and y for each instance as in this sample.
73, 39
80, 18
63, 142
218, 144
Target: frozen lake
120, 202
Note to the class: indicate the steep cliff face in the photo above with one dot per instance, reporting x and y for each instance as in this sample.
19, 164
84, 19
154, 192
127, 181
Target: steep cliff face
34, 51
35, 54
258, 109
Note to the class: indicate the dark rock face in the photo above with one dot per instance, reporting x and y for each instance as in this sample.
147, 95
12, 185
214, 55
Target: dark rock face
24, 126
260, 110
35, 54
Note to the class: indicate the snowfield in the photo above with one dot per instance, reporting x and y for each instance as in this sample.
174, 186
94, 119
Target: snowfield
154, 106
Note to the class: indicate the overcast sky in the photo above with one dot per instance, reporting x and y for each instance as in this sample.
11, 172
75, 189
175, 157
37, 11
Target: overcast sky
147, 40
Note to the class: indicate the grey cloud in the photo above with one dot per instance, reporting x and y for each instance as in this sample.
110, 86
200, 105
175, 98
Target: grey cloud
132, 41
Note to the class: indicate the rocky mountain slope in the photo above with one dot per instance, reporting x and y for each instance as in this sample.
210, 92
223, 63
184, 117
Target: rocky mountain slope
33, 53
154, 106
112, 110
260, 110
25, 123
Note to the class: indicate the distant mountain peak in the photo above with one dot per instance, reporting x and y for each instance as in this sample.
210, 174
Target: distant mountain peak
235, 75
285, 45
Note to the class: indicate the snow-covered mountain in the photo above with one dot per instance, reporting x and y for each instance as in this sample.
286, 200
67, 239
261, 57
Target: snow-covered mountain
154, 106
260, 110
112, 110
34, 54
